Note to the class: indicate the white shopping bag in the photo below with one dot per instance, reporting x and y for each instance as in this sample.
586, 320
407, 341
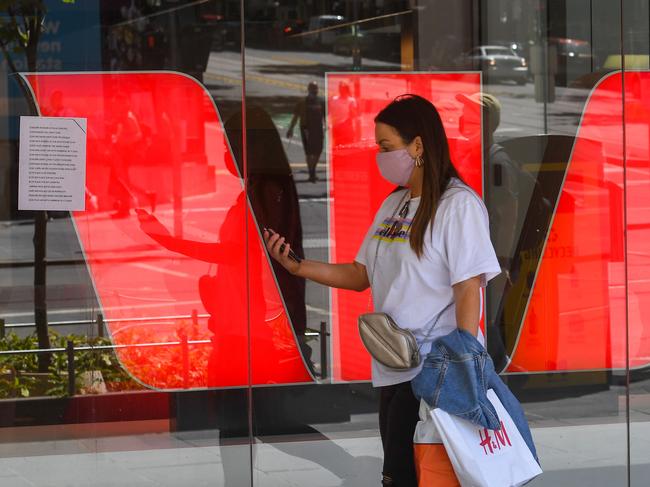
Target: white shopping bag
486, 458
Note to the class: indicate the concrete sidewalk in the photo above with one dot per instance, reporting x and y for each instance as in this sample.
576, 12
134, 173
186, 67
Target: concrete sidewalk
586, 455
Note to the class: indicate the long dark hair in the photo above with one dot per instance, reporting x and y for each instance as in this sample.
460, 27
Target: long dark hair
412, 115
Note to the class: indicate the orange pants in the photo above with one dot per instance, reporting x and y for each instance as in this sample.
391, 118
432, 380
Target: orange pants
433, 466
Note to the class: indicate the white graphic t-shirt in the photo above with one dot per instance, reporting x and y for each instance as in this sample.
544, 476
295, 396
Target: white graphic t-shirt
414, 291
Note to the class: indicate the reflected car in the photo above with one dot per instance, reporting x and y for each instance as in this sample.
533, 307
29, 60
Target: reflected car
519, 48
497, 63
322, 30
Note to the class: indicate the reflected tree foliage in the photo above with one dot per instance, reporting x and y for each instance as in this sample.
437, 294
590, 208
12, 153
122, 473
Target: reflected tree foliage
21, 27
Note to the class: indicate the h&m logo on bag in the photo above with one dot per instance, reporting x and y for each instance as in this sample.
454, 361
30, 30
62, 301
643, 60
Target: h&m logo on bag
493, 441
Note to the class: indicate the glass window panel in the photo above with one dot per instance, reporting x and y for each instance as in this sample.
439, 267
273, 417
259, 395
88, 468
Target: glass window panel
197, 358
147, 380
635, 49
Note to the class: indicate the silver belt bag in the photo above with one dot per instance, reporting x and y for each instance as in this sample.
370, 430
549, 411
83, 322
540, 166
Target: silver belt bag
388, 344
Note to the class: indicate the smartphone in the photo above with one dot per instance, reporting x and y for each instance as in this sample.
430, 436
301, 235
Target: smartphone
292, 255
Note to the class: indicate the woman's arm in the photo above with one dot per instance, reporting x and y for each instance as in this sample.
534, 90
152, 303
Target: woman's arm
211, 252
215, 253
296, 115
351, 276
468, 304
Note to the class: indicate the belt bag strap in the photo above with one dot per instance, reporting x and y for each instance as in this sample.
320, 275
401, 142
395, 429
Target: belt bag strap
384, 339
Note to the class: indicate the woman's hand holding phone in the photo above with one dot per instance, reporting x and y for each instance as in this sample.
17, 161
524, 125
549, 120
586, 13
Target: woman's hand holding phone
281, 251
150, 224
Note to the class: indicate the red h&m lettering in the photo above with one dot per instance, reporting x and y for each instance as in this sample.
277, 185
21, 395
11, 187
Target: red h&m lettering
486, 440
492, 443
502, 435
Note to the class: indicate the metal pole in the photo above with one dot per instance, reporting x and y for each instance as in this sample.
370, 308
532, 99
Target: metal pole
195, 322
100, 325
177, 186
40, 288
2, 327
69, 350
323, 350
185, 353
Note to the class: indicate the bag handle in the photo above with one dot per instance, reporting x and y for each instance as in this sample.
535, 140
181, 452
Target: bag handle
374, 265
435, 323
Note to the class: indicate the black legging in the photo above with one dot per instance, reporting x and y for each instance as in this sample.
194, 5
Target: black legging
398, 416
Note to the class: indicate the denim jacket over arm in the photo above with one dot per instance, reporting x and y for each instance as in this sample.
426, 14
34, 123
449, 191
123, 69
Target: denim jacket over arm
455, 377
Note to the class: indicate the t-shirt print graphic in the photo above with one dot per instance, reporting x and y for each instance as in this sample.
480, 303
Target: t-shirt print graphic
394, 229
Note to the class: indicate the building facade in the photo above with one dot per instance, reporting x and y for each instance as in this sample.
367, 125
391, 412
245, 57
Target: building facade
146, 338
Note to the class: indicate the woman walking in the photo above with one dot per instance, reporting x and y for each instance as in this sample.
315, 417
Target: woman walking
428, 247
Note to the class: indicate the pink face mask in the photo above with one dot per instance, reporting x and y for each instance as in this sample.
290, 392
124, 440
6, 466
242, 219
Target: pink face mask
396, 166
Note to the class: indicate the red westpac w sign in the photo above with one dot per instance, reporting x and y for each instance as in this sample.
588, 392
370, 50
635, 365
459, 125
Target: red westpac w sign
575, 315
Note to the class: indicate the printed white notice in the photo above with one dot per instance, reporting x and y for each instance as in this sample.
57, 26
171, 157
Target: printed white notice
52, 163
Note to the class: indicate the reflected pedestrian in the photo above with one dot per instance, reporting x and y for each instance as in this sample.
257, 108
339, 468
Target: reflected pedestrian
501, 200
274, 201
502, 189
311, 113
513, 196
125, 139
343, 112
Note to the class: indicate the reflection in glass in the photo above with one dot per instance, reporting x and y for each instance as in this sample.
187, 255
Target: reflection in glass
138, 116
